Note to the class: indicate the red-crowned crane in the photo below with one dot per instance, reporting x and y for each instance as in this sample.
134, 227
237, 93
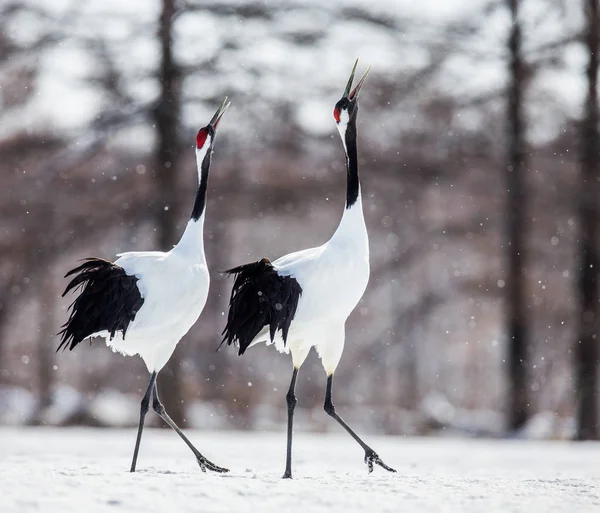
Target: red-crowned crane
146, 301
302, 300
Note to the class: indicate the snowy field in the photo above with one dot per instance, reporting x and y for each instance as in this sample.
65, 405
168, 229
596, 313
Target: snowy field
76, 470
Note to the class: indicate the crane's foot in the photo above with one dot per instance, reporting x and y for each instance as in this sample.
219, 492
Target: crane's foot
371, 458
206, 464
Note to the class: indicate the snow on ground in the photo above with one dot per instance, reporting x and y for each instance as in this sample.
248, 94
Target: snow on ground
75, 470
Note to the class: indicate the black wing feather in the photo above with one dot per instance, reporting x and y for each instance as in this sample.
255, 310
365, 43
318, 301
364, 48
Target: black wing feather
109, 300
260, 297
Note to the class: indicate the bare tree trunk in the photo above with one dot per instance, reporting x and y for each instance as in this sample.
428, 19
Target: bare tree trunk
45, 350
166, 118
214, 362
4, 374
47, 310
586, 344
516, 307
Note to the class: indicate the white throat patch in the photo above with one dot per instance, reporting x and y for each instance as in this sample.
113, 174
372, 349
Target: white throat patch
343, 125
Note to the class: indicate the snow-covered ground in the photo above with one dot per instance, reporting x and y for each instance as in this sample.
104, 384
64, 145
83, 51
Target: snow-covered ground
64, 470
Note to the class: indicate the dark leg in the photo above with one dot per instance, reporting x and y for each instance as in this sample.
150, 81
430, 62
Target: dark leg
370, 455
291, 404
145, 406
202, 461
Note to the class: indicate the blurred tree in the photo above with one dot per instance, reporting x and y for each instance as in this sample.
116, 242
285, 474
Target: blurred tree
586, 343
434, 204
19, 69
45, 350
167, 164
516, 310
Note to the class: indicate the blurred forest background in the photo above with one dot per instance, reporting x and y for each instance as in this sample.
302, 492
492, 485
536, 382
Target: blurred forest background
480, 161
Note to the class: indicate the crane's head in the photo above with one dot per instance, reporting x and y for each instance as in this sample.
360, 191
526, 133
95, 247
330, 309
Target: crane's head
206, 135
346, 109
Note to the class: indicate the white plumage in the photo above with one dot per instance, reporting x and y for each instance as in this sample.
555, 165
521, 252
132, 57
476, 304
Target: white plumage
174, 286
333, 278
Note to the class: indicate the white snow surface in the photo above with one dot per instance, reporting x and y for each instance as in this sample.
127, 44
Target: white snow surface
82, 469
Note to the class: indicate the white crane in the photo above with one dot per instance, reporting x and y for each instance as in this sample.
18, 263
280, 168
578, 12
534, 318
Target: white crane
146, 301
302, 300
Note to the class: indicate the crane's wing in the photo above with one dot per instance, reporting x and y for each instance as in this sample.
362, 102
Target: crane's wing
260, 298
109, 301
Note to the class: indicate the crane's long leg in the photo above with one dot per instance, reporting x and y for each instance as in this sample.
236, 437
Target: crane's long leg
202, 461
145, 406
371, 456
291, 404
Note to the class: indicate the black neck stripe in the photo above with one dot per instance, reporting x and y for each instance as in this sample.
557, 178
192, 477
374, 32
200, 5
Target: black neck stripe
200, 202
353, 184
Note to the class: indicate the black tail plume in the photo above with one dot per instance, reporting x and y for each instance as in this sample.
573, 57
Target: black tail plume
260, 297
109, 301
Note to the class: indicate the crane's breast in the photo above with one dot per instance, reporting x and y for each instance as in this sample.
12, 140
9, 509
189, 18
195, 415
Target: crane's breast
332, 286
174, 296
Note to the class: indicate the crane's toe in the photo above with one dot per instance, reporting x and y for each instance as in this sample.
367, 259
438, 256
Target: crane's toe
371, 457
206, 464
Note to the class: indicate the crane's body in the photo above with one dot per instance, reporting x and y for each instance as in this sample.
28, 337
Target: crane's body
174, 286
302, 300
146, 301
333, 278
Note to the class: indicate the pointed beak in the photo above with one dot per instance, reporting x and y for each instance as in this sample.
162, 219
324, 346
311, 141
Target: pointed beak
353, 94
214, 122
350, 80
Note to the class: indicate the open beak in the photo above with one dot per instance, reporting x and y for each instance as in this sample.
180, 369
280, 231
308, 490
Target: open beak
214, 122
353, 94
